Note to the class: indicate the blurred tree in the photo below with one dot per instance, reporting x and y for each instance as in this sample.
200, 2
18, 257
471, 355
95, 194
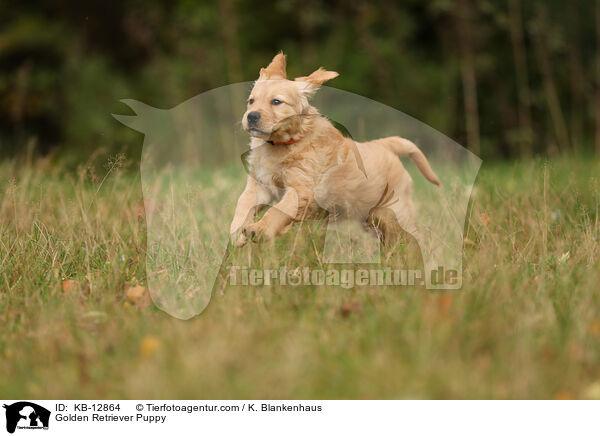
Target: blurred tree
522, 76
464, 21
597, 81
542, 36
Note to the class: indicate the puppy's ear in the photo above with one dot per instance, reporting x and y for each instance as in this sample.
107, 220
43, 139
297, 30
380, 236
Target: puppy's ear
276, 69
310, 84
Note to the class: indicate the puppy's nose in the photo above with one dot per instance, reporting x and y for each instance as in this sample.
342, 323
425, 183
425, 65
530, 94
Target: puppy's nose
253, 117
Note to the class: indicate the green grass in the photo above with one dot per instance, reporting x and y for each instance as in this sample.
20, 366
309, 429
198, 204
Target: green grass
525, 325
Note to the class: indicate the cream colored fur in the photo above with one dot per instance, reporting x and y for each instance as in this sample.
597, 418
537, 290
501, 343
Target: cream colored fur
323, 170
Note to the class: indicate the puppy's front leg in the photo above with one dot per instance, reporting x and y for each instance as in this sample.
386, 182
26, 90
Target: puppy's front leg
276, 219
244, 213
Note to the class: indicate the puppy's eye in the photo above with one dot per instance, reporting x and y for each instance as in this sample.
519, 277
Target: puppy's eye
275, 102
251, 101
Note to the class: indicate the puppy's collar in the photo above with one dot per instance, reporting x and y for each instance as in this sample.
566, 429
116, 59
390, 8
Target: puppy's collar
290, 142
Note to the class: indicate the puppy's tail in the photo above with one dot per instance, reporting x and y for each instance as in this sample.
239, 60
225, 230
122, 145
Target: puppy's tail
404, 147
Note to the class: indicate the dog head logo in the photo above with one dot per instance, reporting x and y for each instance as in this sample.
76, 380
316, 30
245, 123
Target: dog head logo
26, 415
193, 180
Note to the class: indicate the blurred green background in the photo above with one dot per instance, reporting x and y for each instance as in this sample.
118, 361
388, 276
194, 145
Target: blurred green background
507, 78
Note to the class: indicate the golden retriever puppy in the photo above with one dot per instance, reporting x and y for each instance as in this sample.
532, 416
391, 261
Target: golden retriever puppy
304, 166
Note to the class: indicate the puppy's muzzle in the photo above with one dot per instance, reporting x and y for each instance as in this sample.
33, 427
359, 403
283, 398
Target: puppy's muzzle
253, 118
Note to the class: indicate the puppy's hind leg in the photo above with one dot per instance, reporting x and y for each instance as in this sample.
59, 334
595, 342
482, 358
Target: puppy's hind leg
384, 221
399, 247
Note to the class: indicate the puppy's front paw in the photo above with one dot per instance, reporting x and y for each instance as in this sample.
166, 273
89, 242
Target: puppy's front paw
238, 239
256, 232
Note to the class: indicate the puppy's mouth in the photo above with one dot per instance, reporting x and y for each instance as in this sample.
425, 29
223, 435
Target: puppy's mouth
255, 131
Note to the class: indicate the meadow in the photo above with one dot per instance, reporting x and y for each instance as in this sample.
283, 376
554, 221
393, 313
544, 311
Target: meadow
76, 320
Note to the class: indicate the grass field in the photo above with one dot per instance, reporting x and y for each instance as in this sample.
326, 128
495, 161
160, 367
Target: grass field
525, 325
